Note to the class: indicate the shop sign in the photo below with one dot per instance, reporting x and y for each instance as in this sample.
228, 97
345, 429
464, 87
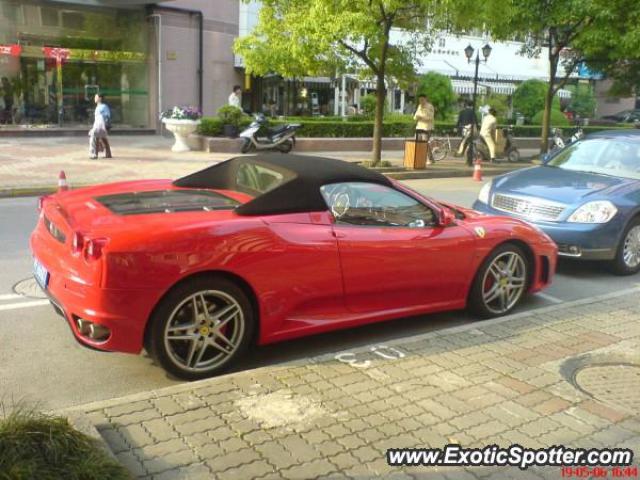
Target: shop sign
59, 54
13, 50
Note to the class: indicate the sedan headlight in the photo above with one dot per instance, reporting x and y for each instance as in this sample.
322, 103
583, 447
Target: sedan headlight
483, 196
594, 212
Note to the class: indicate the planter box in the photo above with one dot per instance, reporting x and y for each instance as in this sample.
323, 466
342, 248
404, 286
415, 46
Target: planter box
181, 130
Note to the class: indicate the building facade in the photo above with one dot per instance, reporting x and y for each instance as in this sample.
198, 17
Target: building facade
145, 58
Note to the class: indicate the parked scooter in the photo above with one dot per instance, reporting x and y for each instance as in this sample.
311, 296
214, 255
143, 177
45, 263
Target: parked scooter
557, 142
259, 137
505, 147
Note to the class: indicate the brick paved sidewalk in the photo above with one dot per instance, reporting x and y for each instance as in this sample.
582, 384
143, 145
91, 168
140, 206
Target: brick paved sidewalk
33, 164
502, 381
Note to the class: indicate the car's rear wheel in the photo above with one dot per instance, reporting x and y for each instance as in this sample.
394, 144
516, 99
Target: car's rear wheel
500, 282
627, 260
201, 327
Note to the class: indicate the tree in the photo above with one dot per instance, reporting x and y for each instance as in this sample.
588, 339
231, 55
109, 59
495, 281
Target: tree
583, 102
439, 91
552, 26
528, 99
316, 37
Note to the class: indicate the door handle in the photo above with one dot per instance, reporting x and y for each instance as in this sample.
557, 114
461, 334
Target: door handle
338, 234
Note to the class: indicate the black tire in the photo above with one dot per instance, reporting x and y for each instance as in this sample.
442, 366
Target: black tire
247, 145
618, 266
513, 155
285, 147
180, 295
476, 302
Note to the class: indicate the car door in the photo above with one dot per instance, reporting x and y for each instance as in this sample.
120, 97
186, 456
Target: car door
393, 252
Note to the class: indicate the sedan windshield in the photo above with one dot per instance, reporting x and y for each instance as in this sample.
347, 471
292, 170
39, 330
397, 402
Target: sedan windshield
604, 156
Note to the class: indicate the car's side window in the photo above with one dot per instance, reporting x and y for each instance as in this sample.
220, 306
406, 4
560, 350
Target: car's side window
359, 203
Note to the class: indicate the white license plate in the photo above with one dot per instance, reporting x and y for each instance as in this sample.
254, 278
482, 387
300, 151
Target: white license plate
40, 273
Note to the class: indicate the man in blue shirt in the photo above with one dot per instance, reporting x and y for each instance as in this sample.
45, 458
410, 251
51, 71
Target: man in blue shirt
101, 124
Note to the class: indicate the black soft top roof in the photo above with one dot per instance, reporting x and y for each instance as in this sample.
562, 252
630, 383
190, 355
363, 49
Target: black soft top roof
299, 191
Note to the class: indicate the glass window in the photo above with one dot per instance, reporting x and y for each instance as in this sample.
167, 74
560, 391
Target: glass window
604, 156
49, 16
358, 203
257, 178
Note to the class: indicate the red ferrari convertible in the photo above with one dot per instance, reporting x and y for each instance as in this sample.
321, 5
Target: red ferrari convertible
265, 248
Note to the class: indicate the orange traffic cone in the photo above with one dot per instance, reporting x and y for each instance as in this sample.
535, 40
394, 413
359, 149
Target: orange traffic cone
477, 170
62, 182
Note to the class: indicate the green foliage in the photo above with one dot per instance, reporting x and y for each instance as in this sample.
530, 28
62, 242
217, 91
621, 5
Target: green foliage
500, 103
439, 91
368, 106
583, 102
557, 118
528, 99
38, 446
230, 115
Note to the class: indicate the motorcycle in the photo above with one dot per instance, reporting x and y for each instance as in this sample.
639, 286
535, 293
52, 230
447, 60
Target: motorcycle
557, 142
505, 147
259, 137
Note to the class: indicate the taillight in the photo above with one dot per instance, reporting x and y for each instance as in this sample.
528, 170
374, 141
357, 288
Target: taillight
77, 242
93, 248
41, 202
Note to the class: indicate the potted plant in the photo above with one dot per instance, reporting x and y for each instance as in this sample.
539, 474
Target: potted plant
230, 117
182, 122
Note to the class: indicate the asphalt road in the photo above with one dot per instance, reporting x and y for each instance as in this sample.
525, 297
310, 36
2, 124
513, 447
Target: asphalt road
41, 362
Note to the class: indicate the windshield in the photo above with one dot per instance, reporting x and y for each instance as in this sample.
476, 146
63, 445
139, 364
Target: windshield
605, 156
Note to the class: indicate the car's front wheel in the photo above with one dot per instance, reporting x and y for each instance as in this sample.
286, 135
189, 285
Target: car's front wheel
627, 261
201, 327
500, 282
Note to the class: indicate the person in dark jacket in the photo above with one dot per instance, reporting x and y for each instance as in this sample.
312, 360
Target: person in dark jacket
466, 120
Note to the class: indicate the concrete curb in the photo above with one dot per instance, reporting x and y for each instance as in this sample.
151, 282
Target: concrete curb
185, 387
392, 172
82, 423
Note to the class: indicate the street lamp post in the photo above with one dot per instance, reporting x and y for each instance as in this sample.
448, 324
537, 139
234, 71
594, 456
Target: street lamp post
468, 52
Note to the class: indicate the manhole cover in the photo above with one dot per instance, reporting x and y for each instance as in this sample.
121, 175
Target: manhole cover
29, 288
617, 385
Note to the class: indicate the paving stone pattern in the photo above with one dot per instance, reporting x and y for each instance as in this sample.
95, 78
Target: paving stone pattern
495, 383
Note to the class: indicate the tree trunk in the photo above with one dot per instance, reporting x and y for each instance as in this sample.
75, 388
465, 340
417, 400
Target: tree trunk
546, 120
376, 154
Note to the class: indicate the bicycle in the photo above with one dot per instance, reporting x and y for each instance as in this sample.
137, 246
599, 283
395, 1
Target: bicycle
440, 148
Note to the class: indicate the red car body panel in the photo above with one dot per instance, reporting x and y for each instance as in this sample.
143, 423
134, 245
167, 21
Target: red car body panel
307, 274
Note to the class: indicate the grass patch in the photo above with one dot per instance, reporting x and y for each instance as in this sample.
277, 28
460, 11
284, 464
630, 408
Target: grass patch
34, 445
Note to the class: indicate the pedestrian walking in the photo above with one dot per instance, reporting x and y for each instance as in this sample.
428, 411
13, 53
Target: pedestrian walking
424, 116
98, 136
235, 98
467, 125
488, 132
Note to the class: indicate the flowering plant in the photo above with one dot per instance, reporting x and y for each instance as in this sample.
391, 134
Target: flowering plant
182, 113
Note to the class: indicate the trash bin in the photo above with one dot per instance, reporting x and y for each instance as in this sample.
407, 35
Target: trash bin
519, 119
415, 153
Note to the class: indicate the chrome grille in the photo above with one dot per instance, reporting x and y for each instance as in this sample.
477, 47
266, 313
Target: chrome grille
533, 209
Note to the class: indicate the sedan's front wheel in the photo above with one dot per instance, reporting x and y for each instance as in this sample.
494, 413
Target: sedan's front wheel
201, 327
500, 283
627, 261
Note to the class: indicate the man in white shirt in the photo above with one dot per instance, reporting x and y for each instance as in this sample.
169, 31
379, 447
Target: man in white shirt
235, 99
488, 132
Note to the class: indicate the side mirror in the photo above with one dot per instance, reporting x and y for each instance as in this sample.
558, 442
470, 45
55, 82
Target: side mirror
446, 217
546, 157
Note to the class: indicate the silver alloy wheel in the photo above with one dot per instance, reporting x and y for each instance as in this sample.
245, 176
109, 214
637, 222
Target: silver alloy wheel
631, 249
204, 330
504, 282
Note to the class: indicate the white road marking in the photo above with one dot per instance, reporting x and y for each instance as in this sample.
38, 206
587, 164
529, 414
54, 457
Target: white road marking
550, 298
15, 306
10, 296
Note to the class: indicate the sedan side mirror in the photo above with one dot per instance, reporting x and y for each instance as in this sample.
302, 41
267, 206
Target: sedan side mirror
446, 218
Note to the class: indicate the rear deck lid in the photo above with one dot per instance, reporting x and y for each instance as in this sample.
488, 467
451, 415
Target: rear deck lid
166, 201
